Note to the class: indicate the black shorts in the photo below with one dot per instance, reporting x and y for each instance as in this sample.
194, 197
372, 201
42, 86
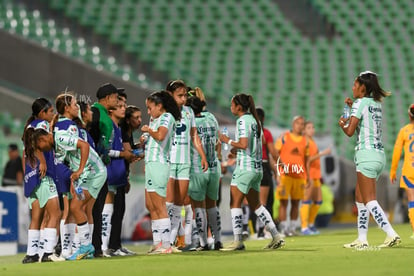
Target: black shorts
267, 179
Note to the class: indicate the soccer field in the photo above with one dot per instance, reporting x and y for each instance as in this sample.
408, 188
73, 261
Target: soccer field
310, 255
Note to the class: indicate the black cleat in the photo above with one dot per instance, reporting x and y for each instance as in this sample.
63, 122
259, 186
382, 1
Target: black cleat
30, 259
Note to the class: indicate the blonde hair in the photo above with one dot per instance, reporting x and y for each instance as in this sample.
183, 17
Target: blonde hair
199, 93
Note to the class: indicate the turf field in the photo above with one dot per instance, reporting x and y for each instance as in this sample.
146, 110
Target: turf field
311, 255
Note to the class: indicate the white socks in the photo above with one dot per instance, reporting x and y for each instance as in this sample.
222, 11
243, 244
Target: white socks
165, 229
33, 237
237, 223
175, 222
214, 220
83, 231
380, 218
161, 229
106, 224
363, 221
188, 225
49, 239
266, 219
201, 222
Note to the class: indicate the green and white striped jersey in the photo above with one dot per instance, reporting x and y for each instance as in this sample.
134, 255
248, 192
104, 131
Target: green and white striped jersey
159, 151
249, 159
369, 130
207, 130
66, 136
180, 150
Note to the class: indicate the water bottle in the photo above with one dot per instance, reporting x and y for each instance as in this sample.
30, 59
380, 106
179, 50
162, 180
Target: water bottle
78, 190
225, 132
146, 136
140, 152
346, 114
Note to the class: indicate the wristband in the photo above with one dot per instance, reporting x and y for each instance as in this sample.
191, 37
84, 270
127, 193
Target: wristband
229, 142
114, 153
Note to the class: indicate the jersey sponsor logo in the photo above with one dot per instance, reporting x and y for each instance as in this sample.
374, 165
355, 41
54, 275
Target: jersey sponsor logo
180, 128
149, 182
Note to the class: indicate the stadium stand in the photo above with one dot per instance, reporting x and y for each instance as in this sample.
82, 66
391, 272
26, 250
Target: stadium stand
250, 46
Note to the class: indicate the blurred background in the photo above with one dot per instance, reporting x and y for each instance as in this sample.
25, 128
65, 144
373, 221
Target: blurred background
296, 57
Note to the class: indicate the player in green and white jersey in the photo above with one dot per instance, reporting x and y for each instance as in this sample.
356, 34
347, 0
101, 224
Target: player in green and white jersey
204, 186
248, 173
366, 120
164, 113
185, 134
89, 173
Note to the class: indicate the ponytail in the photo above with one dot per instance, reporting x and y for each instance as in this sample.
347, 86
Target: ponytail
252, 109
247, 104
372, 88
167, 101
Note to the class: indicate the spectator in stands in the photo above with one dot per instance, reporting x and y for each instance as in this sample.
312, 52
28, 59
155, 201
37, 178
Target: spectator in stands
405, 140
366, 121
13, 171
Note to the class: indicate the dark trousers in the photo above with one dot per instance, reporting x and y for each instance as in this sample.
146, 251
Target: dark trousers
97, 219
117, 218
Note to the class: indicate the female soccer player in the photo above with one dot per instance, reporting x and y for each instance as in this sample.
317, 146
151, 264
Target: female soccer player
203, 185
249, 172
164, 113
88, 171
185, 134
366, 120
405, 140
39, 183
313, 193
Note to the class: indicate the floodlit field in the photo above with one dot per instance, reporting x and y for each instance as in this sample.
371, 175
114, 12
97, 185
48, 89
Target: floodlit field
311, 255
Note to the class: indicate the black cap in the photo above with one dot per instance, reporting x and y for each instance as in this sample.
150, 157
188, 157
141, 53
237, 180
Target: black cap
106, 90
13, 146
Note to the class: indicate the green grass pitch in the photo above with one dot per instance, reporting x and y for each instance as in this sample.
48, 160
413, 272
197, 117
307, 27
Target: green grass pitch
310, 255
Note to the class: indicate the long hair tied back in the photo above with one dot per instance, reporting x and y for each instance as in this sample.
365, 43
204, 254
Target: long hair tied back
247, 104
167, 101
373, 89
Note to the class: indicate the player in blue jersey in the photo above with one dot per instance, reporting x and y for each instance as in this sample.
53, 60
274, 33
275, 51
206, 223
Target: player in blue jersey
39, 183
249, 172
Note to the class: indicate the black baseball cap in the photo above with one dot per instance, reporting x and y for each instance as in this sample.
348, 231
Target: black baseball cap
106, 90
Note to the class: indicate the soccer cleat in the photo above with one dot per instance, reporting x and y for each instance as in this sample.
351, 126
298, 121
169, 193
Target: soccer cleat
391, 242
277, 242
174, 249
306, 232
127, 251
154, 247
108, 253
83, 252
361, 247
245, 235
314, 230
45, 257
218, 245
355, 243
203, 248
119, 252
161, 250
28, 259
236, 245
56, 258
